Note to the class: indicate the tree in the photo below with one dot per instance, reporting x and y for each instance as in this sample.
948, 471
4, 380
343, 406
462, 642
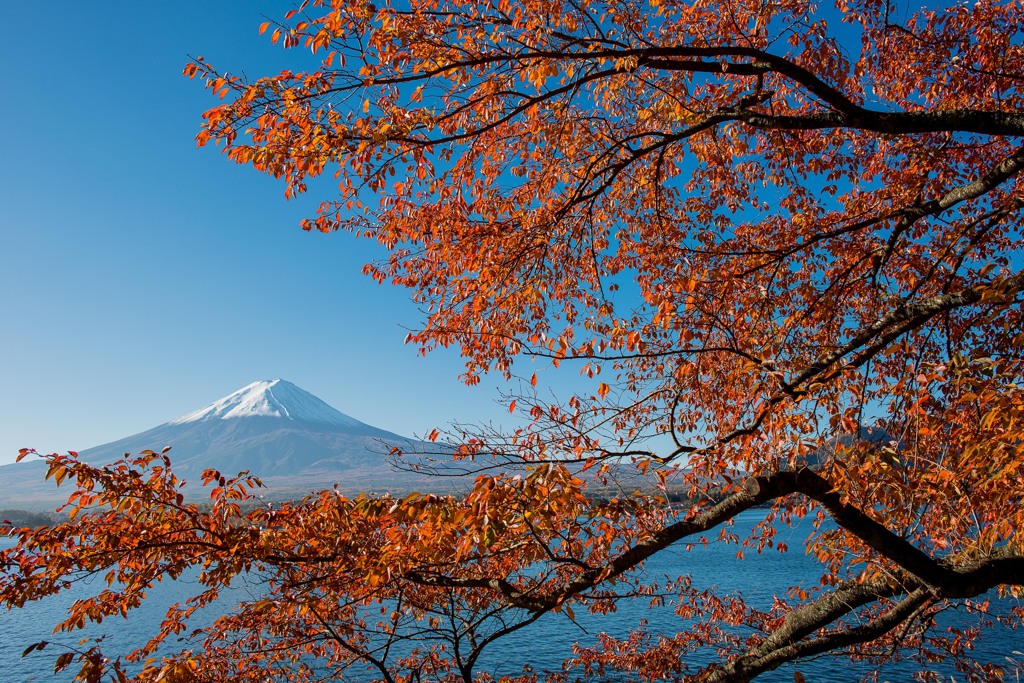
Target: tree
788, 233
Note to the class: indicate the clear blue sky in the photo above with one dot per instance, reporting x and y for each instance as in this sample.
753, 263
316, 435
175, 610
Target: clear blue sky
142, 278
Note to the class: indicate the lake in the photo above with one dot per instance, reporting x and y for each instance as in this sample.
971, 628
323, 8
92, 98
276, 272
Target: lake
548, 641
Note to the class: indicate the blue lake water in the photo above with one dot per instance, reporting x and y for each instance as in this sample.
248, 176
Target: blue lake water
546, 643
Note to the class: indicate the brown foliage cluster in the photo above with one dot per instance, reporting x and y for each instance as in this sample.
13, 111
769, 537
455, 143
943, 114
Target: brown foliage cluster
769, 233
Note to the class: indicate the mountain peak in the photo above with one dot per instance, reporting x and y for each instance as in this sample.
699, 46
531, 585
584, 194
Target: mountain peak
276, 398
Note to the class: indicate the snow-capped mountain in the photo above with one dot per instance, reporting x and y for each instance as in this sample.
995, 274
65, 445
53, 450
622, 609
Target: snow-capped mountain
272, 398
288, 437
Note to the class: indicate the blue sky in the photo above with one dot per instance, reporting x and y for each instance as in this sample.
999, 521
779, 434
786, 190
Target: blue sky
143, 278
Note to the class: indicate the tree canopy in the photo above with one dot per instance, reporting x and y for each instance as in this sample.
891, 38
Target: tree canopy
783, 240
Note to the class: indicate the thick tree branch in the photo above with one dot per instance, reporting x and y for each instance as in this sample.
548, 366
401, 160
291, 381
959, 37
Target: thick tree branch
944, 577
765, 658
900, 320
948, 579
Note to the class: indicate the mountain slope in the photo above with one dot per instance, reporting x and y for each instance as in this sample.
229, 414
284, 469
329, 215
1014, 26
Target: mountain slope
288, 437
273, 398
271, 428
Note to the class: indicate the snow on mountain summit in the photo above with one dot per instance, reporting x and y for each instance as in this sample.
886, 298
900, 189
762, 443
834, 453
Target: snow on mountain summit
271, 398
